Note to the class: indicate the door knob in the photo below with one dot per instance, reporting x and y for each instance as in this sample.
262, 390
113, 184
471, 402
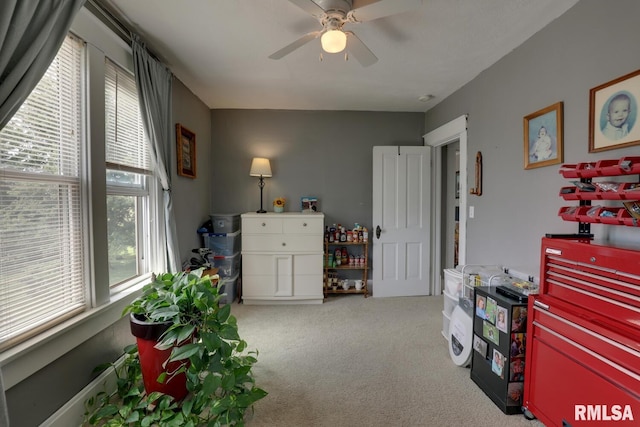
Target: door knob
378, 231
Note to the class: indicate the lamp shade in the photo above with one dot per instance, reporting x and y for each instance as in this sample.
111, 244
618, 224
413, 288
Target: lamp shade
333, 41
260, 167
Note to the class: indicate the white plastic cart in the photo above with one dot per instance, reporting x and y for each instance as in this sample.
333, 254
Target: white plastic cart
460, 284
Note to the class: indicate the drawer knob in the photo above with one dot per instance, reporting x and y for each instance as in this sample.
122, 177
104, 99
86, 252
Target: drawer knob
592, 259
304, 224
264, 224
284, 244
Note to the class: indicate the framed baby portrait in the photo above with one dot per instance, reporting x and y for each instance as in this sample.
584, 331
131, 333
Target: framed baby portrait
613, 114
543, 137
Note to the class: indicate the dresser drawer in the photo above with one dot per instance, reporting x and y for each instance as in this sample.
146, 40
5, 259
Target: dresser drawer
263, 225
304, 225
281, 243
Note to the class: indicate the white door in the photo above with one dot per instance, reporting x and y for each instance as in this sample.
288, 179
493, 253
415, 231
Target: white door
401, 221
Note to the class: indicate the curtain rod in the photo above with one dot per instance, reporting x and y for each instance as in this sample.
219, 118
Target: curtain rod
109, 19
114, 23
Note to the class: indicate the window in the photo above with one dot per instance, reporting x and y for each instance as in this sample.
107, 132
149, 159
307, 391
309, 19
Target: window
128, 178
42, 230
52, 249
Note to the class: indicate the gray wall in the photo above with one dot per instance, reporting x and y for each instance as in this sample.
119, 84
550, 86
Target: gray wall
191, 196
33, 400
326, 154
593, 43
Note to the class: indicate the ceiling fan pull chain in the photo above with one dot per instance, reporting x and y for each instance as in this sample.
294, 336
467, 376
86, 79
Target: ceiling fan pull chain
320, 57
346, 56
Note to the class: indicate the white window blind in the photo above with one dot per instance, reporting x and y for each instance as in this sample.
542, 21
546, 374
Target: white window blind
126, 144
41, 218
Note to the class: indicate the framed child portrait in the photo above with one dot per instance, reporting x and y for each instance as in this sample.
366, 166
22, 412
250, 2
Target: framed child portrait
613, 114
543, 137
186, 151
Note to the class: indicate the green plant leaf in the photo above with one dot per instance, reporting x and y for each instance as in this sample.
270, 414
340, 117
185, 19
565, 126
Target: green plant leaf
211, 383
242, 371
107, 411
224, 313
228, 381
146, 421
229, 332
168, 339
211, 341
185, 332
184, 352
186, 407
101, 368
133, 418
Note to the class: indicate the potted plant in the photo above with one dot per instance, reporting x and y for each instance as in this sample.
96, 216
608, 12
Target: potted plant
199, 347
278, 204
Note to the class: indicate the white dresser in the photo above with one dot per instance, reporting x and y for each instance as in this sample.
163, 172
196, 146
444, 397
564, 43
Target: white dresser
282, 258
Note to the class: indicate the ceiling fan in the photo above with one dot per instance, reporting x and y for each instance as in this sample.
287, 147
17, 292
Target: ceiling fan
333, 15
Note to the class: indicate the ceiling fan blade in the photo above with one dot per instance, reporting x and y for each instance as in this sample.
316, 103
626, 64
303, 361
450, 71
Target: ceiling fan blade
295, 45
381, 9
361, 52
309, 6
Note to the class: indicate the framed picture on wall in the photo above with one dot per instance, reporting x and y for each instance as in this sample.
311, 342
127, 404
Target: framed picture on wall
543, 137
186, 151
613, 114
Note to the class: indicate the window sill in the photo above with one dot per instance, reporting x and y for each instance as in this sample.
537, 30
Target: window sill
23, 360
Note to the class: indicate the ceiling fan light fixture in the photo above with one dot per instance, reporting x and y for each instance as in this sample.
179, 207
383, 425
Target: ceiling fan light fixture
333, 41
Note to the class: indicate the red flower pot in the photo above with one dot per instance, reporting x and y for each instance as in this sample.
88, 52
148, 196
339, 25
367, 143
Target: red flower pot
153, 361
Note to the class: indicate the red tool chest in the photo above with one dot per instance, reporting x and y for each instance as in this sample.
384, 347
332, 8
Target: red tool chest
583, 336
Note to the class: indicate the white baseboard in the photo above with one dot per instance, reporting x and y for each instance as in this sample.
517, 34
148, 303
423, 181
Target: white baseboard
72, 413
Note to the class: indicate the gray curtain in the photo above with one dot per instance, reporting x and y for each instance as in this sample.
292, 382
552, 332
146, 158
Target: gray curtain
154, 82
31, 32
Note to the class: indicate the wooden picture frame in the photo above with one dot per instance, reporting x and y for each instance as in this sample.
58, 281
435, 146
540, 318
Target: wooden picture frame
611, 129
543, 137
186, 151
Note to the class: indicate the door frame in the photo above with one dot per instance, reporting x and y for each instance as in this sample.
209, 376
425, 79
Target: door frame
455, 130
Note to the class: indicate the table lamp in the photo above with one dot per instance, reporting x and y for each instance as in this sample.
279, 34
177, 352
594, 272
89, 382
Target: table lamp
260, 167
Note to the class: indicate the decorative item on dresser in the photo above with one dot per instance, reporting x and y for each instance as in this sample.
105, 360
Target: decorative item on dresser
261, 168
278, 204
282, 258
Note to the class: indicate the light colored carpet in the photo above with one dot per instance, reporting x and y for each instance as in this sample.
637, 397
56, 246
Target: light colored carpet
356, 361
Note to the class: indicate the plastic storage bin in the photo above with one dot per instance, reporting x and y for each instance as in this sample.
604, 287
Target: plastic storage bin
225, 223
228, 286
450, 302
227, 265
446, 319
222, 243
453, 282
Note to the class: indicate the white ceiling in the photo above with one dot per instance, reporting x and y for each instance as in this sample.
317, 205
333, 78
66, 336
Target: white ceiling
219, 49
